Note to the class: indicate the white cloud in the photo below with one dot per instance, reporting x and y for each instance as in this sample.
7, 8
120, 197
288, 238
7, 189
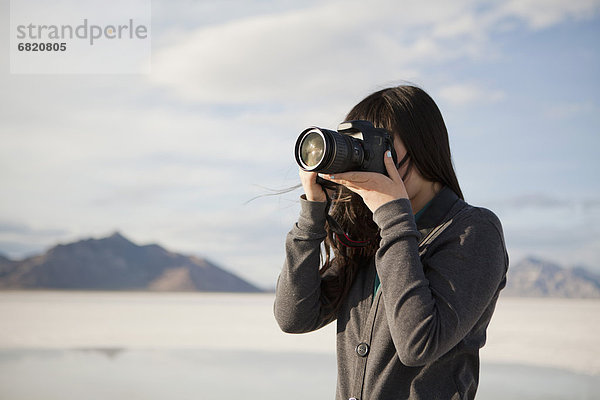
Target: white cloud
544, 13
571, 110
322, 54
310, 55
469, 93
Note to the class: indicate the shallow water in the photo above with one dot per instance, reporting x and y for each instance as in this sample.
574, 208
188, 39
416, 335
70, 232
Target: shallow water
119, 374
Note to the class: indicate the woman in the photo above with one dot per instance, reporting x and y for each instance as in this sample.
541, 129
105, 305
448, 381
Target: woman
415, 295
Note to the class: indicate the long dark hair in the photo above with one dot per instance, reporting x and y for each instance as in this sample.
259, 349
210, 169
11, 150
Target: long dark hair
410, 115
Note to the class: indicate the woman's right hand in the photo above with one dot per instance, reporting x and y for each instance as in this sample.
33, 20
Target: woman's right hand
313, 191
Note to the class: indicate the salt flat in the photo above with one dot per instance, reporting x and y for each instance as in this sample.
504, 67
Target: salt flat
141, 320
559, 333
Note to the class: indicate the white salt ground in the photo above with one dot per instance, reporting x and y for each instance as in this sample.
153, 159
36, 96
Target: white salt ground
560, 333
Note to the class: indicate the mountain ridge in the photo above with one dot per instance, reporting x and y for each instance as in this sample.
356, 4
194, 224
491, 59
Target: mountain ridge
116, 263
535, 277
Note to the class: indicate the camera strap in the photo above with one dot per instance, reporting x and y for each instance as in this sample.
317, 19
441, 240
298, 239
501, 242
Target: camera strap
338, 232
401, 162
343, 237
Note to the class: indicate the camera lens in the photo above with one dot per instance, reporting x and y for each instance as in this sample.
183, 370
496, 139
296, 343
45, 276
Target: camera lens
322, 150
312, 149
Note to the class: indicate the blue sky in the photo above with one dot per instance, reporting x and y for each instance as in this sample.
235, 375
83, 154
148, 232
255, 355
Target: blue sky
173, 156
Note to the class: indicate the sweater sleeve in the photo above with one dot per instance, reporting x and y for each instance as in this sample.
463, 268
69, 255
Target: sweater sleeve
299, 305
430, 308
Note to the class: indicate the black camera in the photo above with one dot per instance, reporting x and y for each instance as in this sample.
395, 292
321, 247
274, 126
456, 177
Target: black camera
356, 146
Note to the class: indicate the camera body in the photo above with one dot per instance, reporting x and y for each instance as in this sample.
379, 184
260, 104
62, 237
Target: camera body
355, 146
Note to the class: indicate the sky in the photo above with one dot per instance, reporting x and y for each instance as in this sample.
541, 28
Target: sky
174, 156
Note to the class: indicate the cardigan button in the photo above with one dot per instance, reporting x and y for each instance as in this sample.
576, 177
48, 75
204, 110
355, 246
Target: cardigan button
362, 349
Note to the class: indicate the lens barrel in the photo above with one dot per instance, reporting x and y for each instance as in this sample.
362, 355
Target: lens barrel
322, 150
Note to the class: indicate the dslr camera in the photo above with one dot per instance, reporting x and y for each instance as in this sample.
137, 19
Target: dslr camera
355, 146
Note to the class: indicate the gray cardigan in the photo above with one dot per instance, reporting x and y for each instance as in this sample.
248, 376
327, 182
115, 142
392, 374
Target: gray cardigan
419, 336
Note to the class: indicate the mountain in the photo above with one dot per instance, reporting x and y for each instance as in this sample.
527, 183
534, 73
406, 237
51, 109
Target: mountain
533, 277
6, 265
116, 263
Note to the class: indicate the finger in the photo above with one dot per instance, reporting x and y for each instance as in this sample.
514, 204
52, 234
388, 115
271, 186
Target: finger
304, 172
359, 181
347, 177
390, 167
306, 177
312, 189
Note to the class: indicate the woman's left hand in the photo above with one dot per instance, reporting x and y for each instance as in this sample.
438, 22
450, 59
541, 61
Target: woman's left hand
375, 189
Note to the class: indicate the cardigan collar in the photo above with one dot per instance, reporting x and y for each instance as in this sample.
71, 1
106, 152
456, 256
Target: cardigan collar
439, 207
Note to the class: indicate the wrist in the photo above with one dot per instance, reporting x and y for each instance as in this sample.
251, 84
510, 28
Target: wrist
316, 197
312, 216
